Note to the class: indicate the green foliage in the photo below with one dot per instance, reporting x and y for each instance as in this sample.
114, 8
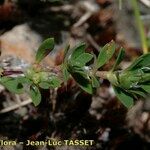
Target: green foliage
45, 48
44, 85
35, 94
119, 58
140, 63
95, 82
54, 81
146, 87
14, 85
124, 97
135, 80
128, 84
105, 54
76, 62
82, 59
65, 73
77, 51
83, 81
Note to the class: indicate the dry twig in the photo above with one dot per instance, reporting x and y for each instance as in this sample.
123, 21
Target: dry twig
16, 106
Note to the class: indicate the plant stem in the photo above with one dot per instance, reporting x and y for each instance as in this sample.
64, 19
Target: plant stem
140, 26
102, 74
120, 4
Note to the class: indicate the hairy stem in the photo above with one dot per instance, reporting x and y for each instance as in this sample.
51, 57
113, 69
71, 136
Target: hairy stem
102, 74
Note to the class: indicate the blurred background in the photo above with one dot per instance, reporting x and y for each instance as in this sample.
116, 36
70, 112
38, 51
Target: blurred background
71, 113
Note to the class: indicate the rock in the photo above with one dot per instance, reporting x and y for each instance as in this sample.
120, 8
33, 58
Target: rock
127, 31
126, 24
21, 42
138, 119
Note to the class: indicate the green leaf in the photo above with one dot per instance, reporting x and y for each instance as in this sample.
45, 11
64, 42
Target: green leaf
95, 82
79, 70
12, 84
35, 95
29, 72
119, 58
66, 51
142, 61
36, 78
44, 85
24, 80
65, 72
54, 81
145, 69
138, 92
77, 51
124, 97
43, 76
5, 79
105, 54
81, 76
83, 82
82, 59
146, 88
45, 48
128, 79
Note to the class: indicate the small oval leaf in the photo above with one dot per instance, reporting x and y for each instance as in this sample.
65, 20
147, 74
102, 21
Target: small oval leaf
146, 88
119, 58
125, 98
105, 54
95, 82
44, 85
142, 61
77, 51
12, 84
35, 95
82, 59
45, 48
54, 81
83, 82
138, 92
